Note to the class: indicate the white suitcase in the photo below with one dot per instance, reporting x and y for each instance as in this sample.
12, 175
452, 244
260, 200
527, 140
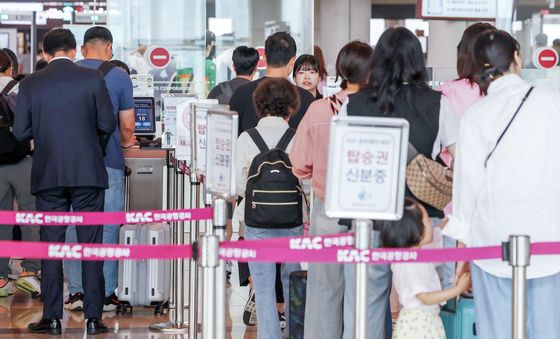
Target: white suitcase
145, 282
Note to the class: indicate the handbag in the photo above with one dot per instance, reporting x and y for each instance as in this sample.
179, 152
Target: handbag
428, 180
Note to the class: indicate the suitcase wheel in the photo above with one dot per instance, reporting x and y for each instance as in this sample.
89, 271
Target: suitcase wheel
124, 308
158, 310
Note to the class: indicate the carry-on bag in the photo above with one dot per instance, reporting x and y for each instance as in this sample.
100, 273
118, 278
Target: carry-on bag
460, 323
145, 282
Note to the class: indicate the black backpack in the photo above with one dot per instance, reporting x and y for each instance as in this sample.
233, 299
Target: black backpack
11, 150
273, 195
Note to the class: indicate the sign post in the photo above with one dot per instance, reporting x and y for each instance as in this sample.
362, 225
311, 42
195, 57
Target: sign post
221, 137
366, 180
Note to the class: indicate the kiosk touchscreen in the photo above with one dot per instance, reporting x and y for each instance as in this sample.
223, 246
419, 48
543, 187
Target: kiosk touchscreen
144, 116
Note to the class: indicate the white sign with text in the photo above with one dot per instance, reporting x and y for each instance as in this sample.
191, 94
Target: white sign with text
366, 168
220, 155
458, 9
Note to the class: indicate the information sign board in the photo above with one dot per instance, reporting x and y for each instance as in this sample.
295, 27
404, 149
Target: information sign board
222, 140
366, 168
457, 9
200, 109
170, 103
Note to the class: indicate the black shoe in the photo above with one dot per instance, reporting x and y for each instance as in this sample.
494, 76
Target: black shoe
112, 303
48, 326
95, 326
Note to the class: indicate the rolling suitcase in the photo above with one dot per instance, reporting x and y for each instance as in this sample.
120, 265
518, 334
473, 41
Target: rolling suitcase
460, 323
298, 285
145, 282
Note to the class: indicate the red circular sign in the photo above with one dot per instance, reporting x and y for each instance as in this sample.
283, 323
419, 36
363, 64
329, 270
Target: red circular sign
159, 57
262, 60
546, 58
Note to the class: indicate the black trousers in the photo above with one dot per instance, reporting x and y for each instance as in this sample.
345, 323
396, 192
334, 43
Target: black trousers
80, 199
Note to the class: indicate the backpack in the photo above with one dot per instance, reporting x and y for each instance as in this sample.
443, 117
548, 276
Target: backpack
106, 67
227, 93
273, 195
11, 150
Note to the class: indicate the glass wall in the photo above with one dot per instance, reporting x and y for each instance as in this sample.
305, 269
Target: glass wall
185, 27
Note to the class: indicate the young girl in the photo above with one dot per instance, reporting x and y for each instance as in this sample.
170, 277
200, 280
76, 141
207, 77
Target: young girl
306, 74
418, 284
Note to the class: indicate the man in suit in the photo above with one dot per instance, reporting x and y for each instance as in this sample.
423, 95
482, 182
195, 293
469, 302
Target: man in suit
67, 111
280, 52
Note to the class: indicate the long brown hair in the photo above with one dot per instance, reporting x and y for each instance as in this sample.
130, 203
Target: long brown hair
318, 54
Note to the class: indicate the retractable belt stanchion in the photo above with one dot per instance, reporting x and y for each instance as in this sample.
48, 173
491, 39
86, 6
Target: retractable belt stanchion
518, 252
220, 221
193, 266
176, 323
362, 229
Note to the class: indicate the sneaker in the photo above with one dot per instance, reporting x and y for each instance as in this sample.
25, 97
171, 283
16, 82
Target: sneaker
112, 302
6, 287
250, 311
30, 283
75, 302
282, 318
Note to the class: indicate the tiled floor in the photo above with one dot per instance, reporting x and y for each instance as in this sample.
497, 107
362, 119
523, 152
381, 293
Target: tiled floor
17, 311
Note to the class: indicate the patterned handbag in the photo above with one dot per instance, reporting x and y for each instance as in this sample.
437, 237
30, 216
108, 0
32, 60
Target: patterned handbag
428, 180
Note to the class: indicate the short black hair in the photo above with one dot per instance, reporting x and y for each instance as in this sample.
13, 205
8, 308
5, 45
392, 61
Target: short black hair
406, 232
279, 49
98, 33
307, 60
40, 64
353, 64
59, 39
15, 63
276, 97
245, 60
121, 65
5, 61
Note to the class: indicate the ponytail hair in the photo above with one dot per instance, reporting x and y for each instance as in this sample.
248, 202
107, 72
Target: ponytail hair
494, 52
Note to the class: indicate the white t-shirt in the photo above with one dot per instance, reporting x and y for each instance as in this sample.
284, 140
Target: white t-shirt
411, 279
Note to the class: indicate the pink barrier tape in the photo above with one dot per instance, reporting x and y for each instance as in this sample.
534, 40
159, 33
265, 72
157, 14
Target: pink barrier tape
72, 251
544, 248
101, 218
339, 249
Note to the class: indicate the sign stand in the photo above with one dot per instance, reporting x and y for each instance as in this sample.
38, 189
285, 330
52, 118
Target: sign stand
220, 184
365, 181
362, 229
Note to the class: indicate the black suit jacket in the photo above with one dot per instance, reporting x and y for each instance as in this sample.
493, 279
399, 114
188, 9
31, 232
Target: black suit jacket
242, 103
66, 110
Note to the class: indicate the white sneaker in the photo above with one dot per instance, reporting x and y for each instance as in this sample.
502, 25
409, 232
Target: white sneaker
6, 288
28, 282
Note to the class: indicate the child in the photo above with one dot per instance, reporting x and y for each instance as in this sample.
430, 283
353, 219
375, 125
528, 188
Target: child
417, 284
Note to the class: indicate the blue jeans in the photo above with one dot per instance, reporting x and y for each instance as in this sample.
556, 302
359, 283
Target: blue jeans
379, 290
493, 306
264, 280
114, 202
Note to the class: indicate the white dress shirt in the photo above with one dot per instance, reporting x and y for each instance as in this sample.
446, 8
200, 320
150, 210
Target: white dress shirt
518, 193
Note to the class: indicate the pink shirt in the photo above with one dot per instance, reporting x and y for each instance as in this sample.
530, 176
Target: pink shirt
311, 144
462, 94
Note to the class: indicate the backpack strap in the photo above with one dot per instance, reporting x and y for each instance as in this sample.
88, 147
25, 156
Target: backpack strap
9, 86
259, 141
286, 138
226, 89
106, 67
335, 103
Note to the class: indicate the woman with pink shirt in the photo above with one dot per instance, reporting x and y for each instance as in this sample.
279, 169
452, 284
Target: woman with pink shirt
462, 94
325, 282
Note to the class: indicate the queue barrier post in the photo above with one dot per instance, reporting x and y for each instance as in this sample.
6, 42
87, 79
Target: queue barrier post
176, 323
220, 221
193, 265
209, 246
517, 251
362, 229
